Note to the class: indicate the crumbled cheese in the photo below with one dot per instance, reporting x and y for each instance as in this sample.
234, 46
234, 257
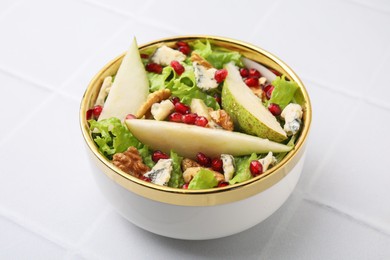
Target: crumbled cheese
267, 161
104, 90
161, 110
228, 166
164, 55
292, 115
204, 77
161, 172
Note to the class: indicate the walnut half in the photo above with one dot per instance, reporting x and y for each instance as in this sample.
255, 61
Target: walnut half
130, 162
223, 119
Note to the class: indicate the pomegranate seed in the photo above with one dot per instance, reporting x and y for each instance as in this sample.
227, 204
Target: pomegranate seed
181, 43
144, 56
175, 117
154, 67
97, 110
274, 109
144, 178
256, 168
203, 160
216, 164
89, 114
254, 73
131, 116
268, 91
277, 73
189, 119
185, 186
182, 108
157, 155
223, 184
244, 72
185, 49
201, 121
220, 75
252, 82
217, 98
175, 100
177, 67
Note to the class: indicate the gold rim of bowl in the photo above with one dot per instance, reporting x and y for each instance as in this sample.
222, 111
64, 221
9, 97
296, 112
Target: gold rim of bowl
209, 197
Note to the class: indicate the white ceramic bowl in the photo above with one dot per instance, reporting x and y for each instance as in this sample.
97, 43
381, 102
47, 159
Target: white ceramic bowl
198, 214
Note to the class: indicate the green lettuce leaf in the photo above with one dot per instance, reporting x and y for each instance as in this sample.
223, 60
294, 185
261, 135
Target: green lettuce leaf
204, 179
242, 168
283, 92
217, 56
146, 155
176, 180
112, 136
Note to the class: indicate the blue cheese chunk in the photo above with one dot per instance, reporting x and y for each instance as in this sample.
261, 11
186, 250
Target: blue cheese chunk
292, 115
228, 166
267, 161
204, 77
161, 172
165, 55
161, 110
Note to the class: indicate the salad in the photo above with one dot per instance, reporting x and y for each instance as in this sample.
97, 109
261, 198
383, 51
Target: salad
194, 115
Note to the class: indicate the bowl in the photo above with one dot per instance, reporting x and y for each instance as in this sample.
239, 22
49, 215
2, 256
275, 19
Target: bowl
198, 214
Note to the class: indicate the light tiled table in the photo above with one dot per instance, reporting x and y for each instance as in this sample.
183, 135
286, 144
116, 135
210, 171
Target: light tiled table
50, 207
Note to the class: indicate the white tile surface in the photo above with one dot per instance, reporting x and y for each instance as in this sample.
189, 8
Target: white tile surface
50, 207
326, 235
17, 243
48, 182
355, 178
48, 41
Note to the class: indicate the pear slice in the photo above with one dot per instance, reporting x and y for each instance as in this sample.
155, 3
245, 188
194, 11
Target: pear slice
246, 110
199, 107
130, 88
188, 140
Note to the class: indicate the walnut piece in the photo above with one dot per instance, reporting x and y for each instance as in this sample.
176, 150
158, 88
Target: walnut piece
154, 97
257, 91
188, 163
223, 119
198, 59
130, 162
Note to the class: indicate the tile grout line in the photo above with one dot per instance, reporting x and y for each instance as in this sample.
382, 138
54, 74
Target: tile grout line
77, 248
33, 228
342, 213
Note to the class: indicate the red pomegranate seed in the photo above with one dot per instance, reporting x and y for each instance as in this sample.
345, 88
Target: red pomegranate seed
177, 67
268, 91
131, 116
144, 56
274, 109
185, 186
216, 164
182, 108
89, 114
256, 168
223, 184
175, 117
201, 121
203, 160
181, 43
254, 73
277, 73
97, 110
154, 67
175, 100
244, 72
185, 49
189, 119
252, 82
220, 75
144, 178
157, 155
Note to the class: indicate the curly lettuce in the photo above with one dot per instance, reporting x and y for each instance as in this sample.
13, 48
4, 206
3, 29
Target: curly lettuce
204, 179
176, 180
283, 92
242, 168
